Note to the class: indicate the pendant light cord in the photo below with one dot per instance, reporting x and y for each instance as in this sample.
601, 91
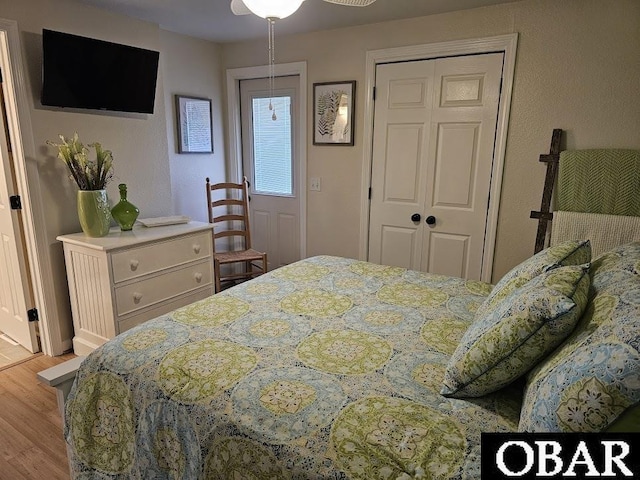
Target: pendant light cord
272, 60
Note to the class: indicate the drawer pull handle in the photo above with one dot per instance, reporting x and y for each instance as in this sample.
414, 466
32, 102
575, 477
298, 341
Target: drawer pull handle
137, 297
134, 265
198, 277
196, 248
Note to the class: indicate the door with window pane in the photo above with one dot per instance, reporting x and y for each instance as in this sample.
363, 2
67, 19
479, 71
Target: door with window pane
269, 133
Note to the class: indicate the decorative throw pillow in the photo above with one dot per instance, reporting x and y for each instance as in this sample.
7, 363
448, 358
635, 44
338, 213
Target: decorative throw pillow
572, 252
591, 383
522, 329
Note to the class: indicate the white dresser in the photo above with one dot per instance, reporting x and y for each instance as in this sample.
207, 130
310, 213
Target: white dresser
125, 278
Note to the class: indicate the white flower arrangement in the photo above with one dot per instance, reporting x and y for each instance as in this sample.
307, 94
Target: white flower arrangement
88, 174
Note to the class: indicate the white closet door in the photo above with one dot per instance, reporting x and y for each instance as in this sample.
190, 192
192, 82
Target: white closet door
434, 132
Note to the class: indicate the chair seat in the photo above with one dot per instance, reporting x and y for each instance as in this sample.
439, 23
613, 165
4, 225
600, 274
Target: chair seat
238, 256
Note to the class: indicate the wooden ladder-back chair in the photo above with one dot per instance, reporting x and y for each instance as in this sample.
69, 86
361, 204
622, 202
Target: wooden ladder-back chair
230, 217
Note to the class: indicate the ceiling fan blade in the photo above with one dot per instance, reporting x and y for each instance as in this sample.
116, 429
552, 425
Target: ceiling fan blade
239, 8
352, 3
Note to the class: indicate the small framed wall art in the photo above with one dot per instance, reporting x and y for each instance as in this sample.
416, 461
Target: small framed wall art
334, 113
194, 124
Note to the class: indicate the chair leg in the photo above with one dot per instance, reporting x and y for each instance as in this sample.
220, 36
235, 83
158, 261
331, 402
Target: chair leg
216, 274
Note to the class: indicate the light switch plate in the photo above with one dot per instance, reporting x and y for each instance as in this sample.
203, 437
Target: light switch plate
314, 184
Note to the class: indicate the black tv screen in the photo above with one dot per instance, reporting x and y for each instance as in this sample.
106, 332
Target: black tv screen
81, 72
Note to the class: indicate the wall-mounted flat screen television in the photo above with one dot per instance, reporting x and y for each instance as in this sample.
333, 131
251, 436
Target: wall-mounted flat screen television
81, 72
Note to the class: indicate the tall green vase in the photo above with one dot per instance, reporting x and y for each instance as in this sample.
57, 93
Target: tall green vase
93, 212
124, 212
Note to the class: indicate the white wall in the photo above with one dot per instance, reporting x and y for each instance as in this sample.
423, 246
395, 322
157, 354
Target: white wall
139, 143
577, 68
192, 68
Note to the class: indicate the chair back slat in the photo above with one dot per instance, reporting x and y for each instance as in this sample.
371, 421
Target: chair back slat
227, 202
230, 233
226, 186
228, 218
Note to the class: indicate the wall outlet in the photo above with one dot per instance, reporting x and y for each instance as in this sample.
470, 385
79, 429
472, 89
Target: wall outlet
314, 184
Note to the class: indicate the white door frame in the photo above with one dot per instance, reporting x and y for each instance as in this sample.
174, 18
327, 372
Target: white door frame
19, 118
501, 43
234, 75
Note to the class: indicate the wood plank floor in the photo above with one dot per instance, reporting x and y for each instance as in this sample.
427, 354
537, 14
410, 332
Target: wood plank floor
31, 442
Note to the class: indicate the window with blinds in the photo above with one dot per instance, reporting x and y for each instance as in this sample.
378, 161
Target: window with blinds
273, 172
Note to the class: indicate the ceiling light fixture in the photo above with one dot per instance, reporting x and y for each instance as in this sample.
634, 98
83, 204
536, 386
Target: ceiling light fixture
276, 9
272, 10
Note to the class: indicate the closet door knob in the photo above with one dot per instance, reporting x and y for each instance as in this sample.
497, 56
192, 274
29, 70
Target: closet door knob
415, 217
431, 220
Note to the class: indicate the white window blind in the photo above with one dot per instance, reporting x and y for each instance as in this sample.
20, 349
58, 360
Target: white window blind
272, 146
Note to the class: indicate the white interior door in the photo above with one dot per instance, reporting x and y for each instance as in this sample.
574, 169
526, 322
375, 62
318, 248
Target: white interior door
15, 287
433, 150
271, 165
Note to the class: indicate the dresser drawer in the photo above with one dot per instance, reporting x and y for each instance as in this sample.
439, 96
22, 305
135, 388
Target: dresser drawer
140, 261
162, 308
150, 291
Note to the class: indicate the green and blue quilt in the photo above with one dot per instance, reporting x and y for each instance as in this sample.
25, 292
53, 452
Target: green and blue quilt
328, 368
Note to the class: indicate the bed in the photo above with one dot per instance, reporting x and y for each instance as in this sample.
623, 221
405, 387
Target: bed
332, 368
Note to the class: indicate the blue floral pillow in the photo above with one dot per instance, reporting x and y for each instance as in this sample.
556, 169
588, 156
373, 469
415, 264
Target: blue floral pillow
591, 382
572, 252
523, 328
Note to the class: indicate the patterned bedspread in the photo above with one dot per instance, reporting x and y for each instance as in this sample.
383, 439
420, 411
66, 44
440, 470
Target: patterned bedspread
328, 368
